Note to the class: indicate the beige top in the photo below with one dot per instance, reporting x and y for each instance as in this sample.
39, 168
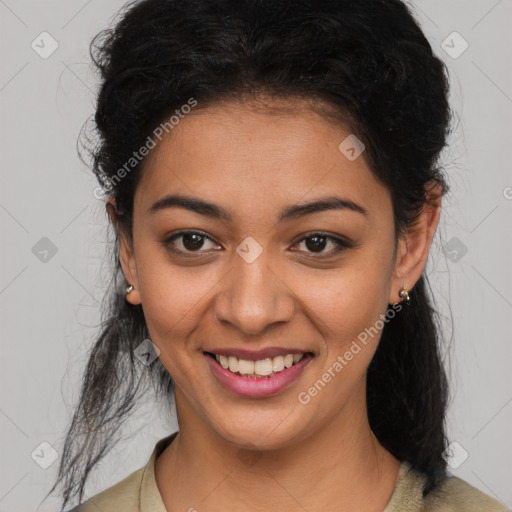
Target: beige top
138, 492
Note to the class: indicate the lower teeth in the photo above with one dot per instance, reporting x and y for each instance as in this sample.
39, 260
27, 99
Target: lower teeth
254, 376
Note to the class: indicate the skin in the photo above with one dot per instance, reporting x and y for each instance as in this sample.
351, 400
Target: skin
253, 162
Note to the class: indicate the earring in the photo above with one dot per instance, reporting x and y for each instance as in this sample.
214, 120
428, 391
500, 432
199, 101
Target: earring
130, 289
404, 294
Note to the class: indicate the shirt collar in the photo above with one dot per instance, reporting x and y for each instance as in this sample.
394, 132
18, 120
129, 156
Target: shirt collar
150, 499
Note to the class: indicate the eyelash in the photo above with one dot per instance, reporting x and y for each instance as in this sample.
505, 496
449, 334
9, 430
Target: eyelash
340, 244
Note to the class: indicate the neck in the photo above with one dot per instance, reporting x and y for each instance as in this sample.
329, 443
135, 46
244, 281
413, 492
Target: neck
341, 467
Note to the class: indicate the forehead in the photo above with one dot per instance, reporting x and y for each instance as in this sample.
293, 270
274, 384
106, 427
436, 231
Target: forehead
256, 159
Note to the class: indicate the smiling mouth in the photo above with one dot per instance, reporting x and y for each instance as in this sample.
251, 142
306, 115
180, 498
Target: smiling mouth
261, 369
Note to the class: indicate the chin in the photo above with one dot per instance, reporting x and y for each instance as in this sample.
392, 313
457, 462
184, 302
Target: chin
262, 431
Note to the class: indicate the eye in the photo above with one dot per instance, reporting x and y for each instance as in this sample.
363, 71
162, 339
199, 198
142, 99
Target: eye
187, 242
315, 243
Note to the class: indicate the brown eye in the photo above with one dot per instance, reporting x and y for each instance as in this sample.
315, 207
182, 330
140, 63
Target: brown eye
317, 242
188, 242
192, 241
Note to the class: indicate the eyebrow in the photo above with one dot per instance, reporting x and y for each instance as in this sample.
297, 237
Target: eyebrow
286, 214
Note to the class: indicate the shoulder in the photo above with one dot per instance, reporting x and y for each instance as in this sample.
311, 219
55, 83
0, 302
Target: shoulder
451, 495
122, 496
138, 491
455, 494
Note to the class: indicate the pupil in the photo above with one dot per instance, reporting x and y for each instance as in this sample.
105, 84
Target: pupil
192, 241
318, 242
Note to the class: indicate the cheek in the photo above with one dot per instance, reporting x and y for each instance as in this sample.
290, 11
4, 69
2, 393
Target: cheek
348, 302
173, 297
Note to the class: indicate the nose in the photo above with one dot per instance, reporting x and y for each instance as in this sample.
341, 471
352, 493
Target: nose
253, 296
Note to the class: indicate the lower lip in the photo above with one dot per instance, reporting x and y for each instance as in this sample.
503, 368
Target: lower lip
254, 387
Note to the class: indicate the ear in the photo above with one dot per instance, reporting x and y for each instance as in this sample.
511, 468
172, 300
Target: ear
413, 246
126, 253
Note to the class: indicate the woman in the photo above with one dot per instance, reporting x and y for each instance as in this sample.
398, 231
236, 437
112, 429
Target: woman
271, 174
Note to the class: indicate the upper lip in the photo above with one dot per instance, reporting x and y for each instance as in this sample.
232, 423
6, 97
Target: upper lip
256, 355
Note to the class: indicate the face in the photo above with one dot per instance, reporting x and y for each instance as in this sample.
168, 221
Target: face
255, 270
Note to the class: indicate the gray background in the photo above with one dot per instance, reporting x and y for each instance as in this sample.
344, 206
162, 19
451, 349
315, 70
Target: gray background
49, 303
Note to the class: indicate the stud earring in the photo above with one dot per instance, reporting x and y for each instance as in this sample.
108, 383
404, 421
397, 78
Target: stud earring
404, 294
130, 289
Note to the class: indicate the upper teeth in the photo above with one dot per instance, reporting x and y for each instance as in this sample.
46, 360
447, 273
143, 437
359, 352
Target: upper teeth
262, 367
